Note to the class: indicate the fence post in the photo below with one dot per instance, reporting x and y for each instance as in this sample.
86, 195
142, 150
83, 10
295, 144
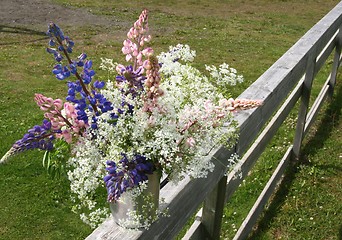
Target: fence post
336, 63
213, 210
304, 106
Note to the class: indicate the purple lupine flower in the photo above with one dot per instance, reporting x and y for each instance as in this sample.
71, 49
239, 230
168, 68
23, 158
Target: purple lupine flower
81, 59
39, 136
99, 84
73, 68
57, 55
69, 44
88, 73
63, 46
134, 78
55, 31
61, 72
52, 43
57, 37
79, 92
128, 174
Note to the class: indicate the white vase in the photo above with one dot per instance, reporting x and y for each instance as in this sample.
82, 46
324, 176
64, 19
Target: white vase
132, 211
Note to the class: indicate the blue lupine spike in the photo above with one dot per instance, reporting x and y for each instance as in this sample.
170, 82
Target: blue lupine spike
71, 91
82, 56
91, 73
88, 64
71, 43
58, 57
56, 71
37, 137
50, 50
130, 173
71, 98
99, 84
60, 76
52, 43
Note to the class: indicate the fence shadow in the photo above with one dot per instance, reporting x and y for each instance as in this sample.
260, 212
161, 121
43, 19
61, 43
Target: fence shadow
314, 143
22, 31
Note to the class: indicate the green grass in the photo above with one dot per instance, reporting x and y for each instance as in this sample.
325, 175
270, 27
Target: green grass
307, 205
250, 36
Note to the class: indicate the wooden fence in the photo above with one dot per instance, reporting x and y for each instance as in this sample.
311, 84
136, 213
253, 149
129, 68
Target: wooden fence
280, 87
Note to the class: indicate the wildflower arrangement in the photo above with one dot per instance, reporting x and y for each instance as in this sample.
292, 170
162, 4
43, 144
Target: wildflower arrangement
158, 113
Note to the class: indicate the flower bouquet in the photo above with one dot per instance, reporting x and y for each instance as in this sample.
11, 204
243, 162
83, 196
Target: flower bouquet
157, 116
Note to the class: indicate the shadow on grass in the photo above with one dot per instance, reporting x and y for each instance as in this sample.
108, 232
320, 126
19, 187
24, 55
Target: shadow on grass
331, 116
22, 31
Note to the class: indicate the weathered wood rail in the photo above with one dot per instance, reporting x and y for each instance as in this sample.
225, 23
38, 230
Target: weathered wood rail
280, 87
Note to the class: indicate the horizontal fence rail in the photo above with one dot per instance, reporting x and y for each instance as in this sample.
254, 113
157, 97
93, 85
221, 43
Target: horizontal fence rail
280, 87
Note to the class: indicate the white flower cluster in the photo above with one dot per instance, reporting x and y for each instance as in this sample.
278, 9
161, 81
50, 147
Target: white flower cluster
178, 135
95, 217
224, 75
88, 169
108, 64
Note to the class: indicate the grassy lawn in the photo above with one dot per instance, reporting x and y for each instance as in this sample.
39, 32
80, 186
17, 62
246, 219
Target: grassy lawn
248, 35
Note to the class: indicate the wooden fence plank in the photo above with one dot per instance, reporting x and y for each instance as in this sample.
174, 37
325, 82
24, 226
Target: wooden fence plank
316, 106
196, 231
337, 61
258, 206
326, 52
213, 209
256, 149
304, 106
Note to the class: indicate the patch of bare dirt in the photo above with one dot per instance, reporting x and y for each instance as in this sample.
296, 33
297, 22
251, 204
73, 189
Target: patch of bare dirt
30, 18
41, 12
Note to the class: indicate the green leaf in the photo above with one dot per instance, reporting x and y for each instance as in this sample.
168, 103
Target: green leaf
45, 158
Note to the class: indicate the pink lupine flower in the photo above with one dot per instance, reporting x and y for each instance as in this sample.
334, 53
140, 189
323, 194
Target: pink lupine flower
133, 47
67, 136
243, 104
70, 110
129, 57
56, 124
227, 104
126, 49
46, 103
153, 91
239, 104
43, 102
67, 121
190, 142
58, 104
188, 125
48, 115
208, 106
147, 52
120, 69
76, 129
